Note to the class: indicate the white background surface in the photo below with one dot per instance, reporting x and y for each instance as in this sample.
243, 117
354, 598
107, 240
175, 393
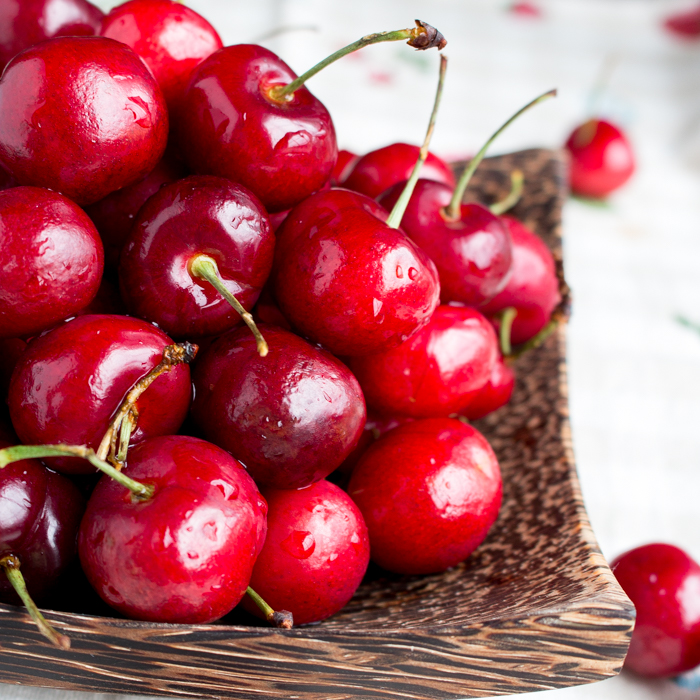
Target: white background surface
633, 265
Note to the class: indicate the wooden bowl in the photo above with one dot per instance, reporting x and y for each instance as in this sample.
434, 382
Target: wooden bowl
535, 607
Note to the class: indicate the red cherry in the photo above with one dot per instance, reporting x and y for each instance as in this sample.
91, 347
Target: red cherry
68, 384
663, 582
347, 280
429, 491
533, 287
436, 372
315, 554
11, 350
171, 38
343, 166
494, 394
186, 554
685, 24
601, 158
378, 170
291, 417
80, 115
51, 260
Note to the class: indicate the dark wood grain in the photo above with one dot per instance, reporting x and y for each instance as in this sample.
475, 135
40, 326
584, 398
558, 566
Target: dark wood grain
535, 607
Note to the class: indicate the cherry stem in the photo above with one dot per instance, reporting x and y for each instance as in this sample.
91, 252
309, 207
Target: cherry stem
516, 192
507, 317
278, 618
125, 431
535, 341
173, 355
10, 565
454, 207
205, 268
421, 37
394, 220
8, 455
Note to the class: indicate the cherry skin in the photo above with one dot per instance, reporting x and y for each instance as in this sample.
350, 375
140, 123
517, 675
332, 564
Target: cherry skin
429, 491
195, 216
231, 127
343, 167
472, 254
186, 554
494, 394
685, 24
602, 159
27, 22
68, 384
663, 582
82, 116
378, 170
533, 286
315, 554
171, 38
11, 350
346, 280
51, 260
436, 372
291, 417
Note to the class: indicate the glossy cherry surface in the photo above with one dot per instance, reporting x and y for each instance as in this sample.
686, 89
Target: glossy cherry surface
82, 116
230, 126
348, 281
343, 166
429, 491
663, 582
533, 286
186, 554
436, 372
315, 554
51, 260
291, 417
602, 159
494, 394
68, 384
472, 254
170, 37
200, 215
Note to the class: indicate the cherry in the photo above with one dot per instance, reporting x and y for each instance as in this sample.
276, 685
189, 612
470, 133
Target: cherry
429, 491
315, 554
27, 22
663, 582
82, 116
602, 159
171, 38
184, 554
494, 394
51, 260
184, 223
6, 180
68, 384
11, 350
434, 373
291, 417
343, 166
685, 24
378, 170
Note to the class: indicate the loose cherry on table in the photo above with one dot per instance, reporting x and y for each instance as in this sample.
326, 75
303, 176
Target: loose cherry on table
663, 582
93, 121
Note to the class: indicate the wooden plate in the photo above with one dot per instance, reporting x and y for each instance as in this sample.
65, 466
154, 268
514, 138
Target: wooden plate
535, 607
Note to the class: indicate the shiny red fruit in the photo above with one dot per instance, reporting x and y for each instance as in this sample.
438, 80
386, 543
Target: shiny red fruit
494, 394
343, 166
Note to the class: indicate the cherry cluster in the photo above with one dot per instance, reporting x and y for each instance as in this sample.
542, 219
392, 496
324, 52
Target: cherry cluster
205, 183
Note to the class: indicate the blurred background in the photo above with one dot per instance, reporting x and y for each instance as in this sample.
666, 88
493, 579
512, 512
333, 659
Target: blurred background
633, 262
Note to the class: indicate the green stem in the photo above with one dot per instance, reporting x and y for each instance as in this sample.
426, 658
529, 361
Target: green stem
394, 220
516, 192
507, 317
453, 210
125, 431
281, 618
422, 36
14, 454
10, 565
535, 341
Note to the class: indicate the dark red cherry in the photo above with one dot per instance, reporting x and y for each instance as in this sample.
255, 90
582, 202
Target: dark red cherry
533, 287
343, 166
51, 260
348, 281
663, 582
200, 215
291, 417
6, 180
378, 170
27, 22
429, 491
602, 159
68, 384
315, 554
186, 554
267, 310
82, 116
436, 372
494, 394
10, 351
170, 37
685, 24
